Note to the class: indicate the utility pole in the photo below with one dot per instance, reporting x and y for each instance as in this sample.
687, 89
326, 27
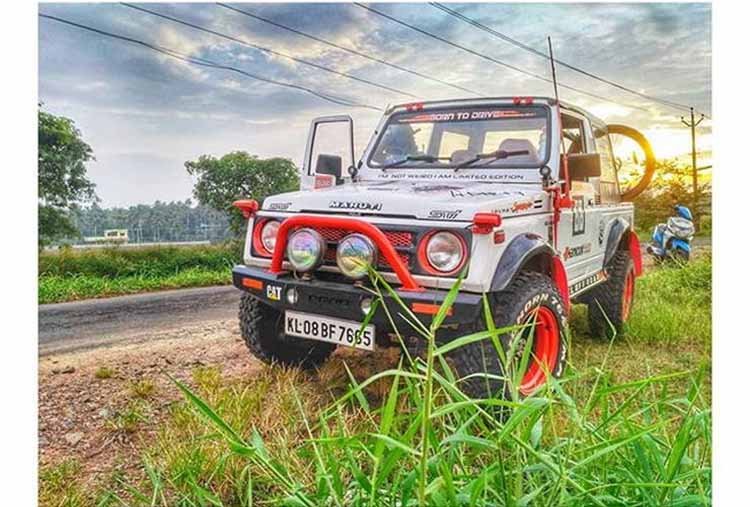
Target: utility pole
692, 126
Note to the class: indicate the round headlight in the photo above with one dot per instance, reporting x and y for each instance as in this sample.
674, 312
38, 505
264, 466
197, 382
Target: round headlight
445, 252
305, 250
354, 255
268, 235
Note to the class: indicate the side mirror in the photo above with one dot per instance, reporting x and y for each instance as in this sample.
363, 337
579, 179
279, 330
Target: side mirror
584, 165
329, 165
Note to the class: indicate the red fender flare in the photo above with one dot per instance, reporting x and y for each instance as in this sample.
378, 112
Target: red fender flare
634, 246
560, 279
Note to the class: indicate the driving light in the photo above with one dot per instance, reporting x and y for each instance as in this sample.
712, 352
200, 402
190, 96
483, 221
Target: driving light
444, 252
305, 250
268, 235
354, 255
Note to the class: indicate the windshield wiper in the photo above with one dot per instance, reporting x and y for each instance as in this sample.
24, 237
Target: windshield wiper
414, 158
492, 155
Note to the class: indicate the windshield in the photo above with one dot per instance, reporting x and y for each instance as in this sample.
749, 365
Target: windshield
459, 137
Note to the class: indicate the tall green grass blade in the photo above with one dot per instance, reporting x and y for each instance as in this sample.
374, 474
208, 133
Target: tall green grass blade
446, 305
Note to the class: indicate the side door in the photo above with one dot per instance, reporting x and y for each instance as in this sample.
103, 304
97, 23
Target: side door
577, 229
329, 136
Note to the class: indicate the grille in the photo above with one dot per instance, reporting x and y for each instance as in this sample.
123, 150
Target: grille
403, 241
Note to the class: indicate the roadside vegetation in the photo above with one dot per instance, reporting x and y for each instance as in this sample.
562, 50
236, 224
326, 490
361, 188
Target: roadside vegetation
672, 185
63, 183
629, 424
69, 274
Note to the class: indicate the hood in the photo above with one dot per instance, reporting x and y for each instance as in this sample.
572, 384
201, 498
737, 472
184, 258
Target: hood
423, 200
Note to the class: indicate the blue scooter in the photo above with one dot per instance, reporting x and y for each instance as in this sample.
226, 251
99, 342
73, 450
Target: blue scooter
672, 240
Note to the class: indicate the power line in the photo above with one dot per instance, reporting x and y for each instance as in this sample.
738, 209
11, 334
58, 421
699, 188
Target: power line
348, 50
207, 63
491, 59
266, 50
530, 49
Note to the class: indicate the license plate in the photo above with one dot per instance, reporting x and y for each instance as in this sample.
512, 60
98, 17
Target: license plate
329, 329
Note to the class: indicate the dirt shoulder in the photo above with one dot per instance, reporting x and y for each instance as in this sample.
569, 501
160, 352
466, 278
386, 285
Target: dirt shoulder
91, 402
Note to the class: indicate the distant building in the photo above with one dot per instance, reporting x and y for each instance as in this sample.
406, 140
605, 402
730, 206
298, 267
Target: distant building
110, 236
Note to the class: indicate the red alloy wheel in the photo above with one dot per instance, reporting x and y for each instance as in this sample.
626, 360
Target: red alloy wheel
627, 294
545, 352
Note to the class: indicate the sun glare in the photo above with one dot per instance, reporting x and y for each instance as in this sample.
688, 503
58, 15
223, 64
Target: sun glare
667, 143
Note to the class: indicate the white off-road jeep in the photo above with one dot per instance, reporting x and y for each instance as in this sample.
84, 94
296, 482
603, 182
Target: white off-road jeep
519, 196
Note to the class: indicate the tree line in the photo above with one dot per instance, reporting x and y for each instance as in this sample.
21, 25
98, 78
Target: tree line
158, 222
69, 207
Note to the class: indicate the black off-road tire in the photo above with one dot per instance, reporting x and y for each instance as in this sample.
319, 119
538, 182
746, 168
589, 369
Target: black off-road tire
261, 328
515, 305
608, 298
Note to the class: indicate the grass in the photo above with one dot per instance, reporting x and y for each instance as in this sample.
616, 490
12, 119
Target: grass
144, 388
62, 485
130, 418
71, 275
104, 372
59, 486
674, 304
611, 432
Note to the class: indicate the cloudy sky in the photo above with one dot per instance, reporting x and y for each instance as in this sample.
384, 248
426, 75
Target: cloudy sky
145, 113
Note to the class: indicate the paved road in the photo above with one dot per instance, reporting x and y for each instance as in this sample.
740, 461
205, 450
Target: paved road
65, 327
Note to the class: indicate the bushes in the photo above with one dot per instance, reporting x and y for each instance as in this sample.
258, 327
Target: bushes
152, 261
70, 275
672, 185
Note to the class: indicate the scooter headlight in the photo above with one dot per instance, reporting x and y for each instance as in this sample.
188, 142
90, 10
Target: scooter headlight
305, 250
354, 256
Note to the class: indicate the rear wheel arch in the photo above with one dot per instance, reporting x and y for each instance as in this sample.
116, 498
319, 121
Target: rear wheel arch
614, 238
622, 237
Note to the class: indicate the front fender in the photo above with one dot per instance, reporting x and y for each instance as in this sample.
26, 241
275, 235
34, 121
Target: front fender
521, 250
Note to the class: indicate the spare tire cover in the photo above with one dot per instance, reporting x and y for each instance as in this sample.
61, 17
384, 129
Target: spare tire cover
650, 163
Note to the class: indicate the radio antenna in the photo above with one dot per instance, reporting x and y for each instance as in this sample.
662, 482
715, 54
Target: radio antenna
552, 64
